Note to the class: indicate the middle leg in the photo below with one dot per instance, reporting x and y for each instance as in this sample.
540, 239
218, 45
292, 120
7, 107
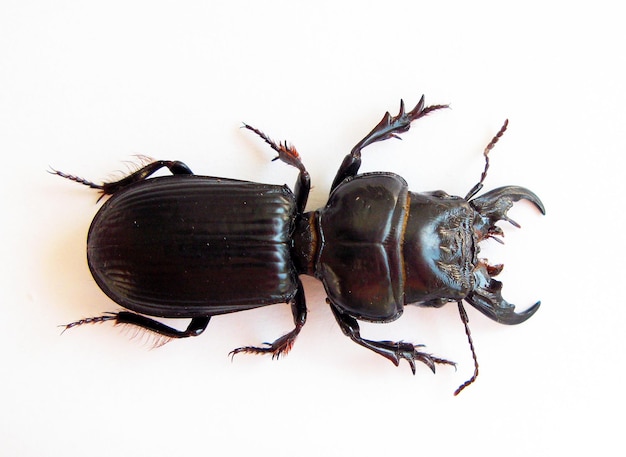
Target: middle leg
283, 344
288, 154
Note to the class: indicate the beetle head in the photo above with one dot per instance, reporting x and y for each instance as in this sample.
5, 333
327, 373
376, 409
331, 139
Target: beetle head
486, 294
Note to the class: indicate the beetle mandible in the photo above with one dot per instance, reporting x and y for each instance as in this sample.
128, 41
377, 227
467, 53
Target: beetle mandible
189, 246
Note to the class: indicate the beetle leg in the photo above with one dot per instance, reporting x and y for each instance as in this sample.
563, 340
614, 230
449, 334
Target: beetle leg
288, 154
109, 188
388, 127
391, 350
195, 327
283, 344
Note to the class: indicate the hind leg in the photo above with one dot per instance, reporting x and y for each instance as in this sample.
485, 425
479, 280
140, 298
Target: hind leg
195, 327
109, 188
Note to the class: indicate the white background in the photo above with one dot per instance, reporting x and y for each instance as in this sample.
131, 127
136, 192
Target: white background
84, 86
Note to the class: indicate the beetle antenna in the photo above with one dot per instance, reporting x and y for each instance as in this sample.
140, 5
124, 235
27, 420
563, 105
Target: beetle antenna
490, 146
465, 320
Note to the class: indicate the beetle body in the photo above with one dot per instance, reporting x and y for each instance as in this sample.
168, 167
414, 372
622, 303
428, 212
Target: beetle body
187, 246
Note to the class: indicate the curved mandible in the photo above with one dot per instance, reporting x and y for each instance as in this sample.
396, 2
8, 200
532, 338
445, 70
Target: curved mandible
488, 300
494, 204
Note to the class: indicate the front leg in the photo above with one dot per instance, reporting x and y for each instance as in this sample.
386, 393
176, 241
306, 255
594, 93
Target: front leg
388, 127
391, 350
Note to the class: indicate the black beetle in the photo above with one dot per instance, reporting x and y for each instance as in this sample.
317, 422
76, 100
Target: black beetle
188, 246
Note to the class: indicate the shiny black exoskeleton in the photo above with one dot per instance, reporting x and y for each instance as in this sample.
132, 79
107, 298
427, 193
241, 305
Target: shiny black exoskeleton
187, 246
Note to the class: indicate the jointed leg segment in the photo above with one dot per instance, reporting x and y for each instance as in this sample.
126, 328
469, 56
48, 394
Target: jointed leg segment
288, 154
391, 350
195, 327
283, 344
109, 188
388, 127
